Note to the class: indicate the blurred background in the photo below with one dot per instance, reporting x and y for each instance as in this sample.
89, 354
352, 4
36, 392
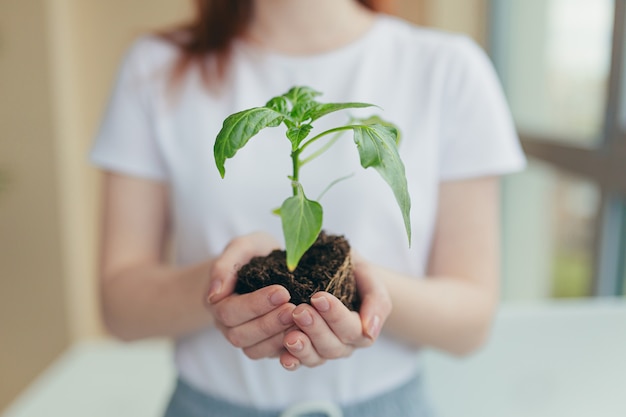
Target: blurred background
562, 65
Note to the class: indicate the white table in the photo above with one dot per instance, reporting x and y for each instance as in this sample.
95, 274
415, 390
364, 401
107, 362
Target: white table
565, 359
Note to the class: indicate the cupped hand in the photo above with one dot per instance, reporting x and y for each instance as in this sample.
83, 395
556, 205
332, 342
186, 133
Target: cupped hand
254, 322
327, 329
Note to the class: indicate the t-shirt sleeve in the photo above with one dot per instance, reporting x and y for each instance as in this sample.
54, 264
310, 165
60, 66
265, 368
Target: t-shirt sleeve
126, 141
478, 135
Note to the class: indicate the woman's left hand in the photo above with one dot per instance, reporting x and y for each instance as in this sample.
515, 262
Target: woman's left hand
327, 329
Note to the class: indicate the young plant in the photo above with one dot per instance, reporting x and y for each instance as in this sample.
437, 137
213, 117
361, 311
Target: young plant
376, 141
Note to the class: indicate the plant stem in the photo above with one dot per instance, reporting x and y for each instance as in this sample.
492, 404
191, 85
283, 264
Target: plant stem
327, 132
321, 150
338, 180
295, 161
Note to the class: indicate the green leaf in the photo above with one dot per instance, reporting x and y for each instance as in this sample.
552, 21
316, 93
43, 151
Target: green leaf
300, 110
301, 94
322, 109
289, 123
298, 134
237, 130
279, 104
379, 121
378, 149
302, 223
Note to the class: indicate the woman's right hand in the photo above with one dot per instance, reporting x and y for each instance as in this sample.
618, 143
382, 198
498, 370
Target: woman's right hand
254, 322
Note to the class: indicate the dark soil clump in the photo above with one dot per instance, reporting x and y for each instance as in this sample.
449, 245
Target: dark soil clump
326, 266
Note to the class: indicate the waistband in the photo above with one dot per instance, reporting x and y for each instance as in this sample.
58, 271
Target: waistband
407, 400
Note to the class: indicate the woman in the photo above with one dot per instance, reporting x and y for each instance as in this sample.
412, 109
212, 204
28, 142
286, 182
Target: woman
155, 146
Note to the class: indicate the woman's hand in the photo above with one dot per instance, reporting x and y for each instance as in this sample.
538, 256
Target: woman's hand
326, 329
254, 322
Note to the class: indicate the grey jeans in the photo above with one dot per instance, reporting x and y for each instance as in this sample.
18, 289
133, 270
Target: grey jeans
408, 400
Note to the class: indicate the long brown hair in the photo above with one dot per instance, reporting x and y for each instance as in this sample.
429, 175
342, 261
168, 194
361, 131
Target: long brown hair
216, 23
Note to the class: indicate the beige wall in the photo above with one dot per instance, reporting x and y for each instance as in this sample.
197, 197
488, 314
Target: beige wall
57, 61
32, 301
466, 16
415, 11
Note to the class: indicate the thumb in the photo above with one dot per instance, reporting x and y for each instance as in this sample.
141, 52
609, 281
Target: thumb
223, 271
375, 301
222, 280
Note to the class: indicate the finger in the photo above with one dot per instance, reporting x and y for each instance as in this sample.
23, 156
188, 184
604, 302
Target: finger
299, 346
373, 320
223, 275
238, 309
238, 252
321, 336
375, 302
288, 361
267, 326
268, 348
344, 323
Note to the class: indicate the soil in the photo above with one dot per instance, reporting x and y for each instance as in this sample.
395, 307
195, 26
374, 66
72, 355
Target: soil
326, 266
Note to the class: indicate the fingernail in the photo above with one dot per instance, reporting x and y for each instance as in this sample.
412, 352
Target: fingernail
296, 346
279, 297
290, 366
214, 289
320, 303
303, 318
374, 328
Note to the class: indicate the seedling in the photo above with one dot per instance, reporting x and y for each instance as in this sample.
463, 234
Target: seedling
297, 110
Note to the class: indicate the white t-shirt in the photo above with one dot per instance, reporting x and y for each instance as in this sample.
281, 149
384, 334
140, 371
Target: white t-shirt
441, 91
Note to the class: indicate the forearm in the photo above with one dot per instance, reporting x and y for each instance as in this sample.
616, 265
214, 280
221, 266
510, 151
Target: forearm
448, 314
155, 301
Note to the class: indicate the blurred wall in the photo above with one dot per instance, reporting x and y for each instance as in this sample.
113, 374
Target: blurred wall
33, 326
58, 59
465, 16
